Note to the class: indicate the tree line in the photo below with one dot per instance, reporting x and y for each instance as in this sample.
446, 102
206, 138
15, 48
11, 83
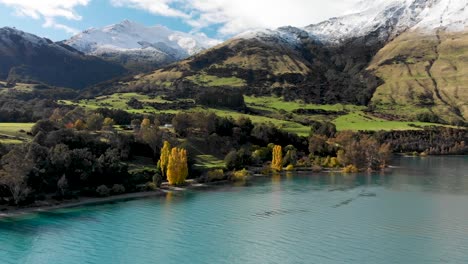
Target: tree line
75, 152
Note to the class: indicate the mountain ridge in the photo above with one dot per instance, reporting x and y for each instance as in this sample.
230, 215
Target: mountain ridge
27, 57
135, 45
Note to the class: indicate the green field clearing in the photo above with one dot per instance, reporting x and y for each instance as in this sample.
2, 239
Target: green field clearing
13, 129
360, 121
209, 162
278, 103
210, 80
141, 163
10, 132
19, 87
273, 108
288, 126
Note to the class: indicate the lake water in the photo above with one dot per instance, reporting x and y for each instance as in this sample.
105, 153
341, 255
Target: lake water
417, 213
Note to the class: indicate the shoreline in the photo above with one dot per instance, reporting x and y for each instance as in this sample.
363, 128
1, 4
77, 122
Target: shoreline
87, 201
82, 201
191, 184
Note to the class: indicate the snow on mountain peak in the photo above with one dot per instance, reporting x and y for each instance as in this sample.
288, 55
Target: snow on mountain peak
392, 17
129, 36
384, 18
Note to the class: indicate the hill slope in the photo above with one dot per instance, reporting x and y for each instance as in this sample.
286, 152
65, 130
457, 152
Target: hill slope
424, 73
271, 64
26, 57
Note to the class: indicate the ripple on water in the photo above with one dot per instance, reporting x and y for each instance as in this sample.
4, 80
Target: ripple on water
416, 214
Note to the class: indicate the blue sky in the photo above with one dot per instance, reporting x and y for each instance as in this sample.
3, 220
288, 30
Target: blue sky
60, 19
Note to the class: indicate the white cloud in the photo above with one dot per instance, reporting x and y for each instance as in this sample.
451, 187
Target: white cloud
157, 7
240, 15
48, 11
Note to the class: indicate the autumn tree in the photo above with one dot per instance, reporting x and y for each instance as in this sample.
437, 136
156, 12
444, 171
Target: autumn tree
291, 156
153, 137
146, 123
136, 124
79, 125
108, 123
385, 154
16, 165
318, 145
94, 122
277, 162
164, 158
177, 167
56, 115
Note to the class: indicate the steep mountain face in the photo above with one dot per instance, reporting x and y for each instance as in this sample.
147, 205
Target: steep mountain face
425, 69
424, 73
26, 57
137, 46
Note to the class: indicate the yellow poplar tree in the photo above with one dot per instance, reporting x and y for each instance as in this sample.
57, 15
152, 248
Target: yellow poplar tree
177, 168
277, 162
164, 158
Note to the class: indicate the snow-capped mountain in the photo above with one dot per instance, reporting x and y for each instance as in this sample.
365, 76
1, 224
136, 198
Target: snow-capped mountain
383, 18
132, 41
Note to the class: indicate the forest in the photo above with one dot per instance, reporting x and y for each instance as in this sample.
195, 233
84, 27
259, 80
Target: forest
76, 152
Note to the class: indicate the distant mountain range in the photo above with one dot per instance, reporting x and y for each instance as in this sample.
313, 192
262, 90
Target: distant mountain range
137, 46
401, 57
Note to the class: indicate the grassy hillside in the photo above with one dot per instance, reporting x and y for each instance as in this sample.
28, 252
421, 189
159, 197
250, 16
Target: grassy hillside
14, 133
424, 73
267, 109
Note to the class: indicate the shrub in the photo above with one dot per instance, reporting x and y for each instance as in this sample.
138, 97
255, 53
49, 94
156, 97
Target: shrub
150, 186
238, 159
290, 167
350, 169
215, 175
118, 189
428, 117
333, 163
233, 161
266, 169
102, 191
241, 175
157, 179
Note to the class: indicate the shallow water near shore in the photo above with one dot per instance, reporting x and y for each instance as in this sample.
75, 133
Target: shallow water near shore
416, 213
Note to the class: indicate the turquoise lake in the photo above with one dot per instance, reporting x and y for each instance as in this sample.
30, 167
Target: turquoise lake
415, 213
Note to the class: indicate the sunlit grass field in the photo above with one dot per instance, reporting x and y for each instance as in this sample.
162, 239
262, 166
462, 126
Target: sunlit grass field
273, 109
10, 133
